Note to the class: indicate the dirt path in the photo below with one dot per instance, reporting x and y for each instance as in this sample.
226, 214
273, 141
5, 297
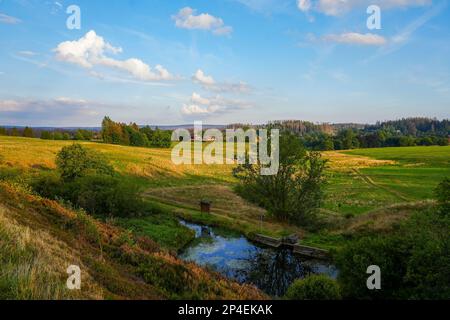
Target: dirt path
369, 181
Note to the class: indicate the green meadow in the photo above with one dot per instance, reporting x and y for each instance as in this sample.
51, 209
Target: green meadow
360, 182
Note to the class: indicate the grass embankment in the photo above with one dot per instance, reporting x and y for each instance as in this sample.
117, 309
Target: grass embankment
360, 183
40, 238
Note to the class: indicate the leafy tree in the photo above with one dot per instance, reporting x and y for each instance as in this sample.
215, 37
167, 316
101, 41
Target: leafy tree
295, 192
58, 135
47, 135
3, 131
76, 161
14, 132
66, 136
161, 139
28, 132
314, 287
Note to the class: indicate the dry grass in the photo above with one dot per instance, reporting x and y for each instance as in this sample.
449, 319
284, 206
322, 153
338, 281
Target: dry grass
339, 161
384, 220
34, 264
39, 238
225, 204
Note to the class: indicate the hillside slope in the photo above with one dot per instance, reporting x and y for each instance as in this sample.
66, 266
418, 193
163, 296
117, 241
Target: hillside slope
40, 238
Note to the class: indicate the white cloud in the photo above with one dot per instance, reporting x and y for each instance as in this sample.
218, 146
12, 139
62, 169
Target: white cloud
367, 39
90, 51
201, 78
199, 105
45, 111
187, 19
339, 7
27, 53
9, 106
208, 83
8, 19
304, 5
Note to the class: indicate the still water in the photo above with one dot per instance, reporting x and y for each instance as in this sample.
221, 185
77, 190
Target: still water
231, 254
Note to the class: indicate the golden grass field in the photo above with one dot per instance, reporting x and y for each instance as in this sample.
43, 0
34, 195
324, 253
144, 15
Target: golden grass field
358, 183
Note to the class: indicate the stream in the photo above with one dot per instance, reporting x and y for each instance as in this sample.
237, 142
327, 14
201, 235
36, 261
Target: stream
234, 256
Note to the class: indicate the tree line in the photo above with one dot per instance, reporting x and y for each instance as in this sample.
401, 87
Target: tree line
133, 135
397, 133
28, 132
112, 132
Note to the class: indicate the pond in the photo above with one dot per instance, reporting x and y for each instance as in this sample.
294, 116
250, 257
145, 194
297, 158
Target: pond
234, 256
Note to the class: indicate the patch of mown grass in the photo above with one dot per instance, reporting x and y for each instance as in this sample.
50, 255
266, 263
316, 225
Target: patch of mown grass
433, 156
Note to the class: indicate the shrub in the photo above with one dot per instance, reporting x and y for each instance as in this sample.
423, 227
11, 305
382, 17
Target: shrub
104, 195
314, 287
413, 261
75, 161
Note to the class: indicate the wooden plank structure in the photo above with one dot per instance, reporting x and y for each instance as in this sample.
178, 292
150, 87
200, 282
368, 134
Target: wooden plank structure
268, 241
310, 252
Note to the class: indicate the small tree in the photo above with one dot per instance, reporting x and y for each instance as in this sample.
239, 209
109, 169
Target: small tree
314, 287
28, 132
76, 161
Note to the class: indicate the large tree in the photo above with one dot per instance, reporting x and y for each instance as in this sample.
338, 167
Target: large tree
293, 194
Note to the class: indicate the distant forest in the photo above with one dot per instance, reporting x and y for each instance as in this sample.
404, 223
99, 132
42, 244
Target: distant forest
318, 137
396, 133
111, 132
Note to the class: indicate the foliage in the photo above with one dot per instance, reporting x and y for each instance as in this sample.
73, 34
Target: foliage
132, 135
293, 194
443, 196
414, 261
28, 132
75, 161
103, 195
314, 287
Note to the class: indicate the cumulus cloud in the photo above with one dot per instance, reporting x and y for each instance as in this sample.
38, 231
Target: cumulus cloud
367, 39
339, 7
91, 50
9, 19
199, 105
187, 19
208, 83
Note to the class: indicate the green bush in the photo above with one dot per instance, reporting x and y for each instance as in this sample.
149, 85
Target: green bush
87, 181
314, 287
414, 261
104, 195
76, 161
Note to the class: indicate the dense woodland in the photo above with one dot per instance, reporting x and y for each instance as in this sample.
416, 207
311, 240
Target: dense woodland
398, 133
133, 135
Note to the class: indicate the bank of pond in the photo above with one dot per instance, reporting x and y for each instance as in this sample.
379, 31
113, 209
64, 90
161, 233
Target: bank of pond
231, 254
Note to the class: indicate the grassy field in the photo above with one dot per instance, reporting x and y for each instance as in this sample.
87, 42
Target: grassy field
360, 182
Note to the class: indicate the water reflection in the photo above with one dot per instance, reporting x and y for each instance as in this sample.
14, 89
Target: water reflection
271, 270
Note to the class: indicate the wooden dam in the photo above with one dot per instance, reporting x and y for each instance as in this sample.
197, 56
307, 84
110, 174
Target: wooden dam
306, 251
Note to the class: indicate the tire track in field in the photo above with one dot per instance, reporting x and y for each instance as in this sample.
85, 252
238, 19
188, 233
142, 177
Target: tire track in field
369, 181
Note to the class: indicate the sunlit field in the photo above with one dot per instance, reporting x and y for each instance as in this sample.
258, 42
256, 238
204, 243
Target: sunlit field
359, 181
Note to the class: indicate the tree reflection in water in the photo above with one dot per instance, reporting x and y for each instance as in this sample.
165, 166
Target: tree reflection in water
273, 271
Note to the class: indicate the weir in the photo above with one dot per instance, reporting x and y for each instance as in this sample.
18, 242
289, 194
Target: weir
306, 251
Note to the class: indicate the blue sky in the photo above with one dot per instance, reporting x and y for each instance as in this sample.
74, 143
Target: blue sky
222, 61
